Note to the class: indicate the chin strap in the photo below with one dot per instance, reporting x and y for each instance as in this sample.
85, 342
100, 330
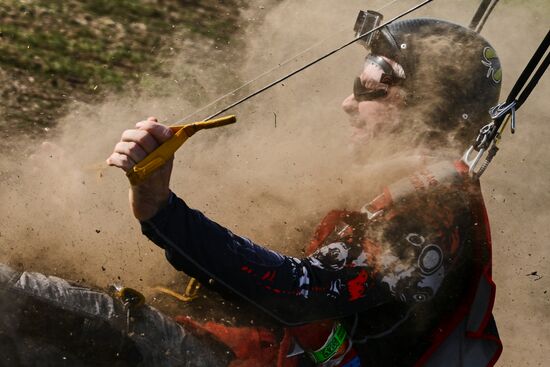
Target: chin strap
490, 134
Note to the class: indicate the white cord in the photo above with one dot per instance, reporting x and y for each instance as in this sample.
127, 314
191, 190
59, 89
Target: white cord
186, 118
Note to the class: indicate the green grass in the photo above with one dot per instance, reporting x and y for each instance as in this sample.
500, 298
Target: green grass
74, 46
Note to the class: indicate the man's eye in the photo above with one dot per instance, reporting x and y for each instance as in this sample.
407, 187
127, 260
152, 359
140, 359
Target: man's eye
361, 93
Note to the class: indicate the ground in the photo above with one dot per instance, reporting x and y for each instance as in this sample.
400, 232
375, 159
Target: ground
272, 175
55, 52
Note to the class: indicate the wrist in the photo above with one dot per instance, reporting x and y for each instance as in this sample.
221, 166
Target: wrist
147, 203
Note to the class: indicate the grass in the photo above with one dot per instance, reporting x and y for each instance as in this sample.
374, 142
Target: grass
59, 48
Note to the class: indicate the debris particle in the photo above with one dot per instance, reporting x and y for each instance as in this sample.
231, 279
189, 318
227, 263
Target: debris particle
534, 274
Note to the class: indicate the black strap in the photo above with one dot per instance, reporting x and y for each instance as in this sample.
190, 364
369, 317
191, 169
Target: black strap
520, 83
520, 90
479, 13
518, 95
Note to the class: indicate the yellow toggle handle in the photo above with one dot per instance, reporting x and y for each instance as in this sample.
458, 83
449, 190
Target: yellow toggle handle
164, 152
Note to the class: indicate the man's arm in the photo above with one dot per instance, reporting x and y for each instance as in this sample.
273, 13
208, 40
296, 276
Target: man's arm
290, 289
293, 290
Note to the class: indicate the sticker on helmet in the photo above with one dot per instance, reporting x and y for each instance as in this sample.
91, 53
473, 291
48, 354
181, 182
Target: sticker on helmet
490, 60
430, 259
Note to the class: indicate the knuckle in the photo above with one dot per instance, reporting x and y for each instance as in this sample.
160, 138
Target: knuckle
132, 146
126, 133
148, 125
163, 131
119, 145
149, 144
126, 161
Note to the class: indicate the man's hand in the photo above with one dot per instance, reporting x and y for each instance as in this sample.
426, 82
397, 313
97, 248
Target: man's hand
135, 144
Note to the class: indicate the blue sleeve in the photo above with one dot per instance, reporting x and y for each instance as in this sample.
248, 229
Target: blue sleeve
292, 290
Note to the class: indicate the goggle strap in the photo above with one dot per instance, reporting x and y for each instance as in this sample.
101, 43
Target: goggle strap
394, 49
388, 75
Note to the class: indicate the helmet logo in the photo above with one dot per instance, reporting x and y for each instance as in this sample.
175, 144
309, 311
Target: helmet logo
490, 60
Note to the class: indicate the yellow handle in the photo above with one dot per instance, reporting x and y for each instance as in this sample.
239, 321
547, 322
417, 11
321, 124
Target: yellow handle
164, 152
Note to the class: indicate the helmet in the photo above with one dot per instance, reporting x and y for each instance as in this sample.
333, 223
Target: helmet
452, 74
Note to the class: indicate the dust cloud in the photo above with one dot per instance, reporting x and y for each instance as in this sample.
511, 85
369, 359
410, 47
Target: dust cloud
286, 162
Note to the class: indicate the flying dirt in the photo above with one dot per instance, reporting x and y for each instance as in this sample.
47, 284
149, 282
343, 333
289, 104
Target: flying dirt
274, 174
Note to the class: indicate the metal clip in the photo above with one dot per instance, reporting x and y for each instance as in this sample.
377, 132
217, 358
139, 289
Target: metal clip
483, 138
500, 109
487, 137
481, 144
504, 109
131, 299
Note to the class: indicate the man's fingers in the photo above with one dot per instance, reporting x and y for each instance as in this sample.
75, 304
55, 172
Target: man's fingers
136, 144
141, 137
160, 132
121, 161
131, 149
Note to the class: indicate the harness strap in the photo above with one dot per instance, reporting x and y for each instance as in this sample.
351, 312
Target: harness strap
526, 73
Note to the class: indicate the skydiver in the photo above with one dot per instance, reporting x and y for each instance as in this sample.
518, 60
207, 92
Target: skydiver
404, 279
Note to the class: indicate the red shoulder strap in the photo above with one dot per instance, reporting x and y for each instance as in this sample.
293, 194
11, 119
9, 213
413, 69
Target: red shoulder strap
324, 229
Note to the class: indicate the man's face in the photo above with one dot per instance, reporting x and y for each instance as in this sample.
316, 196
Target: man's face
377, 113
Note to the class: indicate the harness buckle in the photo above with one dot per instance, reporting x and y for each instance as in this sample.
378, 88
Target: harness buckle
503, 109
487, 138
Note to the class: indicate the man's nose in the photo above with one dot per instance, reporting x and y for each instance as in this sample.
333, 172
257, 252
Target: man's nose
349, 105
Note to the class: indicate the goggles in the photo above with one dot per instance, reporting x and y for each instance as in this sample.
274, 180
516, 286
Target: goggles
388, 77
361, 93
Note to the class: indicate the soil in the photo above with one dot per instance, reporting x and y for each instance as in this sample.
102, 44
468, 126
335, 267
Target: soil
53, 53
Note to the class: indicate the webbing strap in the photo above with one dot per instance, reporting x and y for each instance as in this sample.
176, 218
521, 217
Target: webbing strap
489, 134
524, 77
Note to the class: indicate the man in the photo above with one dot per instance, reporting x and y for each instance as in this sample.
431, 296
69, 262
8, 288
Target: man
405, 279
